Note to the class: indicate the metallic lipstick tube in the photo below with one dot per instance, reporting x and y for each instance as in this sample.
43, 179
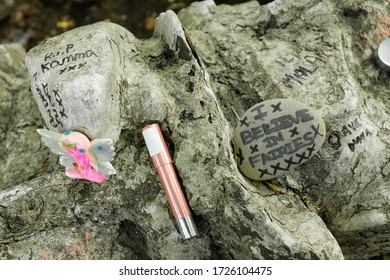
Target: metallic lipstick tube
163, 163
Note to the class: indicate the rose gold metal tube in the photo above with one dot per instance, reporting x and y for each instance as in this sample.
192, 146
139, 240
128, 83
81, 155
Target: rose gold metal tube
163, 163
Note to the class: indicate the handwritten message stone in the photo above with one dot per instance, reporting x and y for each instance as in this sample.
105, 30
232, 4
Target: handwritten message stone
74, 78
275, 136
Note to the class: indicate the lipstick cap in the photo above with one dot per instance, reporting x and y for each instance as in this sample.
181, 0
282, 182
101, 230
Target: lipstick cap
155, 142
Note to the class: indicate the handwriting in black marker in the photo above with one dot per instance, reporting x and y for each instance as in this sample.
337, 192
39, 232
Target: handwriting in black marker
70, 58
311, 150
294, 132
276, 107
277, 167
244, 122
41, 96
301, 157
51, 119
259, 114
289, 162
82, 65
347, 131
316, 130
47, 94
254, 149
59, 102
263, 172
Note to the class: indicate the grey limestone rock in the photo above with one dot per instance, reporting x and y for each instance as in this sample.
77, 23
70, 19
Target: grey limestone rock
21, 155
229, 58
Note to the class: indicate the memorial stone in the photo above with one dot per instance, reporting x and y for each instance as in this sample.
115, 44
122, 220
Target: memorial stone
74, 80
275, 136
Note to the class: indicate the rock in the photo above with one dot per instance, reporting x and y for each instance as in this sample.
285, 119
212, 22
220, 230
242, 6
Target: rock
71, 92
21, 154
192, 88
163, 80
276, 136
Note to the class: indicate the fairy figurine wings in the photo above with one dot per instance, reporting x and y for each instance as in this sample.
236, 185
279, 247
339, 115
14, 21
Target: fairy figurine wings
82, 158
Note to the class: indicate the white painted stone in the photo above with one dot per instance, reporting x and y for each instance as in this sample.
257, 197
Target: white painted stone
74, 78
275, 136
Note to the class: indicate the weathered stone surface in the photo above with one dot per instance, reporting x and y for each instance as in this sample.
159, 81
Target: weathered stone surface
21, 154
276, 136
317, 57
75, 80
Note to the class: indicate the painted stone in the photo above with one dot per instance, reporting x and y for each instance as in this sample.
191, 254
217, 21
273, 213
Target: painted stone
74, 79
275, 136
